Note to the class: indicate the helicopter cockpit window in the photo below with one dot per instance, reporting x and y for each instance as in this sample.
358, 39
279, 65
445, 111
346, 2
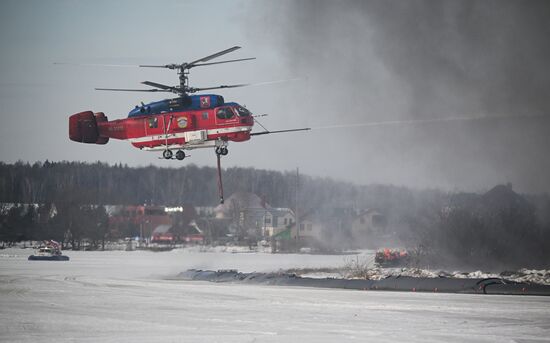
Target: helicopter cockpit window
225, 113
153, 123
242, 112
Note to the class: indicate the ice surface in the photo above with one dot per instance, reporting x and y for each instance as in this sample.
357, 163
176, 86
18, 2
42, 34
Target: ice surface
128, 297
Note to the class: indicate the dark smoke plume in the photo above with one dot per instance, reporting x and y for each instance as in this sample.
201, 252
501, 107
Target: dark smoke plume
405, 60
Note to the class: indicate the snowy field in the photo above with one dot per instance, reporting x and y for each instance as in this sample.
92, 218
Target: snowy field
122, 296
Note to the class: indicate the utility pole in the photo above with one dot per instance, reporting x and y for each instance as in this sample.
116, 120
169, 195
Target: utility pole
296, 210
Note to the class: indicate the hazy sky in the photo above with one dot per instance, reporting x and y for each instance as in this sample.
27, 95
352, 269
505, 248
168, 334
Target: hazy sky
359, 61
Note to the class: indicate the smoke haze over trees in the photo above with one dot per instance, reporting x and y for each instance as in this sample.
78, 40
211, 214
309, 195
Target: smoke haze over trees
495, 229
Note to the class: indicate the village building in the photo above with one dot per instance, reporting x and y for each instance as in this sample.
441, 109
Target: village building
142, 221
309, 234
252, 218
189, 233
331, 230
368, 229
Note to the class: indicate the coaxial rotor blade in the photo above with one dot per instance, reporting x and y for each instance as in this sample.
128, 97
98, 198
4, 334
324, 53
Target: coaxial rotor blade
273, 82
196, 62
217, 54
156, 85
97, 64
221, 62
193, 90
132, 90
169, 66
173, 65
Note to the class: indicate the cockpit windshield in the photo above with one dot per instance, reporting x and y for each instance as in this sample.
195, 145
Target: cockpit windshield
242, 112
225, 113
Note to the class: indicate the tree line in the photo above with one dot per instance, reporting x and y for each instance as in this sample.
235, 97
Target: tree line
496, 227
66, 222
100, 183
496, 230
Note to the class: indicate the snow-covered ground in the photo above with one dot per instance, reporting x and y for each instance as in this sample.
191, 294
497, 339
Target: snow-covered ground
122, 296
541, 277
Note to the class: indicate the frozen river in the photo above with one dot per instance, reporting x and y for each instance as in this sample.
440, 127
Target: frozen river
128, 297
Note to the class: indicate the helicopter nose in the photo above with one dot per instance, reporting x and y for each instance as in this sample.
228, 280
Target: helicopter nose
247, 121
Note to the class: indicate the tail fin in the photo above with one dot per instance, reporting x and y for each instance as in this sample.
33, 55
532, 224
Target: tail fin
83, 127
100, 117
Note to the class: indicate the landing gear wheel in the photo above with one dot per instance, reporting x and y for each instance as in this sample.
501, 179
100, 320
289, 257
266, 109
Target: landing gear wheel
180, 155
218, 151
224, 151
167, 154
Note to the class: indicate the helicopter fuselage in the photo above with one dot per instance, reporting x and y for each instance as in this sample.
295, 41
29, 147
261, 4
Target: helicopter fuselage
199, 121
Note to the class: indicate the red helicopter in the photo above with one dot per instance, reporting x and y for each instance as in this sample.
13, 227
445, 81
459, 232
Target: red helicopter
174, 125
